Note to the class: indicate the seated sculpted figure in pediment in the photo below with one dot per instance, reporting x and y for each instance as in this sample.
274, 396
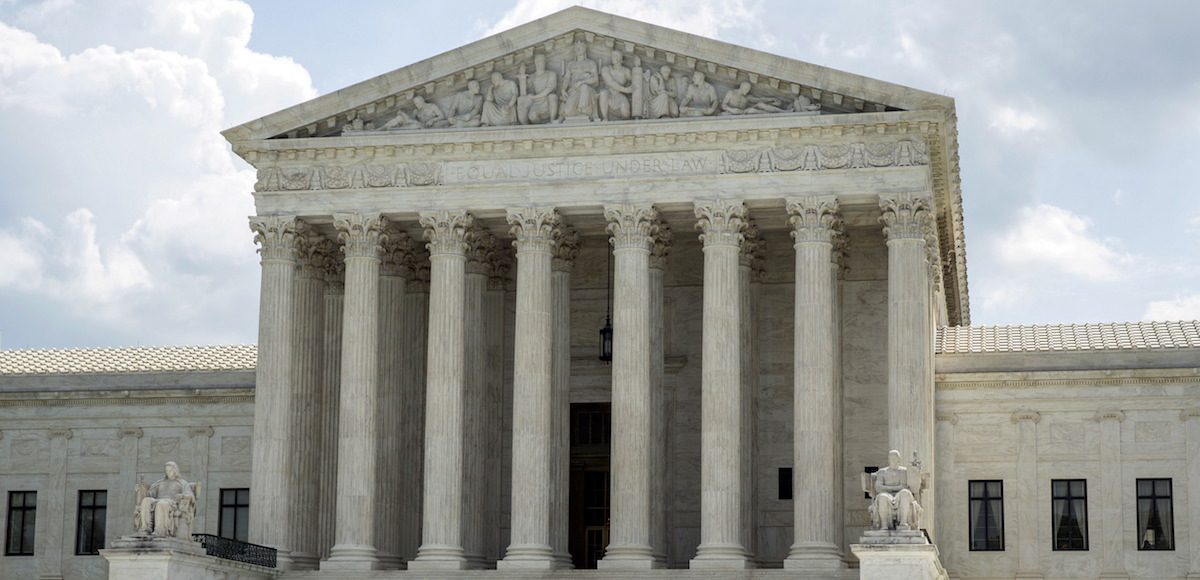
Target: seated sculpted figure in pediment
700, 98
739, 101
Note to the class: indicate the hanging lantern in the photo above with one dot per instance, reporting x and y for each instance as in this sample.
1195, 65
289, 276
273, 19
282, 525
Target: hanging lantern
606, 334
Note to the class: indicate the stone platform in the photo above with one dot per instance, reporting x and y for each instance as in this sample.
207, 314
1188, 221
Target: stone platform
760, 574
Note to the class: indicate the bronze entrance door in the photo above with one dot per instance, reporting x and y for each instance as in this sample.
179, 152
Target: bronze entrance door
590, 435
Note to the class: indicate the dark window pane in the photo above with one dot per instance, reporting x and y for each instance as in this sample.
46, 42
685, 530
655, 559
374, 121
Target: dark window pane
986, 514
785, 483
1069, 514
241, 533
1155, 515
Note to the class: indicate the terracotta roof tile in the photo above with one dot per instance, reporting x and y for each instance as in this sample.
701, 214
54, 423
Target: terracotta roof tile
1068, 337
127, 360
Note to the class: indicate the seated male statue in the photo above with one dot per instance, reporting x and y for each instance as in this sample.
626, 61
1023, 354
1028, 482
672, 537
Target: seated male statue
894, 493
163, 504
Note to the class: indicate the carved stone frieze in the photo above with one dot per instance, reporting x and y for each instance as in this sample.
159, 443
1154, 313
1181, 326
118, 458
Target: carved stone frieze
355, 176
817, 157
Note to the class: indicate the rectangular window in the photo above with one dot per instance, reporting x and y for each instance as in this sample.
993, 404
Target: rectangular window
785, 483
869, 469
235, 514
90, 522
1069, 513
22, 519
1156, 516
986, 514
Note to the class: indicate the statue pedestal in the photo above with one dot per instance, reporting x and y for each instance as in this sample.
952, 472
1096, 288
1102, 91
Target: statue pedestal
146, 557
897, 555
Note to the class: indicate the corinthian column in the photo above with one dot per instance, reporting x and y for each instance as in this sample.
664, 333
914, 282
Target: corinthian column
270, 476
331, 378
907, 221
395, 270
632, 227
494, 311
814, 222
412, 401
658, 440
354, 547
751, 249
560, 462
309, 343
477, 431
441, 514
721, 400
532, 392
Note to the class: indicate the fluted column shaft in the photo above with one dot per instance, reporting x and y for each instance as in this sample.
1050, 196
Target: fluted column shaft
412, 406
721, 400
750, 247
494, 310
331, 376
442, 517
309, 342
560, 465
659, 251
815, 542
475, 427
395, 271
532, 392
357, 493
271, 481
632, 227
907, 222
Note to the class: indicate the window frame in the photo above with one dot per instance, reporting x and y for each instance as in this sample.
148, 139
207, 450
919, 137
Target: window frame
999, 518
235, 506
100, 519
24, 509
1170, 497
1085, 528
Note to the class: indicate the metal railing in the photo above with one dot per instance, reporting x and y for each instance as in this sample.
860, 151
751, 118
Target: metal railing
228, 549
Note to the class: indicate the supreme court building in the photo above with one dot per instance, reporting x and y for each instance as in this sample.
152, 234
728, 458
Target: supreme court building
592, 293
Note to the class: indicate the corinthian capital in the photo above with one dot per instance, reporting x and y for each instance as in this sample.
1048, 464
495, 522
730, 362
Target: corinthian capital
631, 225
534, 227
397, 253
315, 251
361, 234
446, 231
814, 218
481, 249
721, 221
661, 248
906, 216
566, 250
753, 247
275, 236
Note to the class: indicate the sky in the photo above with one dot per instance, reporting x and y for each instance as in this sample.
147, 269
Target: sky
123, 212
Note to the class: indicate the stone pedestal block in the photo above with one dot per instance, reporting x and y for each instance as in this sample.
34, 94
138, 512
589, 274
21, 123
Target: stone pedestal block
898, 561
144, 558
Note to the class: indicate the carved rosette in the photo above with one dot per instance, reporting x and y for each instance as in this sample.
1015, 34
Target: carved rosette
631, 226
446, 231
906, 216
566, 250
721, 221
481, 247
660, 248
361, 234
814, 219
397, 255
275, 236
535, 228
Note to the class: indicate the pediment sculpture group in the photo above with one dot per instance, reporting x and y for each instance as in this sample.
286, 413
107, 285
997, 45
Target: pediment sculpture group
585, 92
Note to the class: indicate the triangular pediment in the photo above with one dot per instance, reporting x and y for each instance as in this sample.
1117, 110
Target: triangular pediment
482, 82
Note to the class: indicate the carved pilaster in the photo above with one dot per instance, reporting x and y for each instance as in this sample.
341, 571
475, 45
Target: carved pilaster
135, 432
814, 218
721, 221
660, 247
906, 215
631, 225
1026, 415
446, 231
566, 250
275, 236
534, 228
361, 234
63, 433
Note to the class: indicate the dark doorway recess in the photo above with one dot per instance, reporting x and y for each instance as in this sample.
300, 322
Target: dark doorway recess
591, 425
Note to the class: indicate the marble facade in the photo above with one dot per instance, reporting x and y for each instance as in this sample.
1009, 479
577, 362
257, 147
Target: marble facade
788, 267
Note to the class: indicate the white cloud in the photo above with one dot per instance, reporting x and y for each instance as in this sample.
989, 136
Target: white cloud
703, 17
1053, 237
1177, 308
1009, 121
124, 152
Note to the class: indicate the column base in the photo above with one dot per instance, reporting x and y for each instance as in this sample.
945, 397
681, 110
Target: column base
439, 557
304, 561
564, 561
720, 557
528, 557
814, 555
628, 557
351, 557
898, 562
390, 561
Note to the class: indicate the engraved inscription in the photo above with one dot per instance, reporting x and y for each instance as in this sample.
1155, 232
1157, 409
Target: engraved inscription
571, 168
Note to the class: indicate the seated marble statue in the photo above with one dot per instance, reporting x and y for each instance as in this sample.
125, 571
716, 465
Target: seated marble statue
804, 104
539, 103
500, 103
429, 115
739, 101
660, 100
894, 492
166, 507
466, 107
700, 98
